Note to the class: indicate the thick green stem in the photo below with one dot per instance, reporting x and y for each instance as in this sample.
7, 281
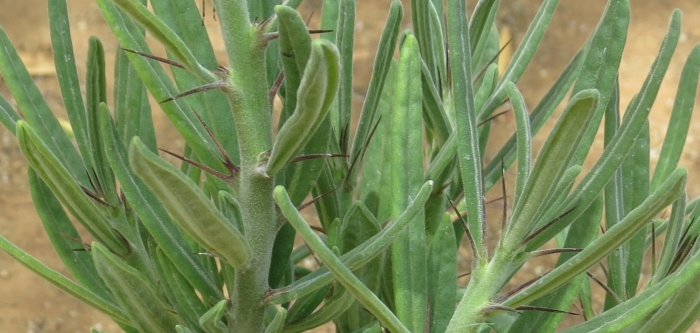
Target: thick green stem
487, 280
251, 111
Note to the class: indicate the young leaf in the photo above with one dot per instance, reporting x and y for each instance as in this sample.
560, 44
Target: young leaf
332, 309
316, 91
295, 51
132, 111
551, 163
408, 251
524, 138
155, 218
59, 180
542, 112
211, 320
146, 309
188, 206
469, 152
277, 323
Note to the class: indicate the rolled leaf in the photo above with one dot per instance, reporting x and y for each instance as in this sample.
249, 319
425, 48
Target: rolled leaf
211, 320
277, 323
316, 92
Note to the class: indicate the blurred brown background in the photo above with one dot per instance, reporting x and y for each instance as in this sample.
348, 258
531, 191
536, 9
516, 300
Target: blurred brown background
29, 304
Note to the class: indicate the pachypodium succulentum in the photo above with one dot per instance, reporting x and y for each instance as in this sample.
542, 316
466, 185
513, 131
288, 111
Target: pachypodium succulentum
210, 246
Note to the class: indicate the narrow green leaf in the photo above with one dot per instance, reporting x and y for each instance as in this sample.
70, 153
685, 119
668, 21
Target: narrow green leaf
328, 208
172, 42
65, 239
539, 115
679, 313
436, 20
436, 122
281, 255
522, 56
345, 39
332, 308
154, 217
318, 87
420, 16
671, 241
581, 234
277, 323
680, 119
377, 86
614, 201
300, 177
66, 72
550, 165
442, 275
613, 238
357, 256
488, 84
524, 138
335, 265
63, 185
8, 116
36, 112
600, 68
357, 226
295, 41
96, 98
408, 251
329, 19
638, 307
161, 86
480, 25
635, 180
614, 153
231, 209
132, 111
61, 282
183, 17
148, 311
180, 293
304, 306
470, 164
188, 206
295, 51
211, 320
636, 114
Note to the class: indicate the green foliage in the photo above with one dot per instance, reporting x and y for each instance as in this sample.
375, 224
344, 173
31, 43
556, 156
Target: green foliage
210, 247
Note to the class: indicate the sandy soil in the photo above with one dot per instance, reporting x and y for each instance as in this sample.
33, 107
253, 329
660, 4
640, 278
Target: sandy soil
29, 304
